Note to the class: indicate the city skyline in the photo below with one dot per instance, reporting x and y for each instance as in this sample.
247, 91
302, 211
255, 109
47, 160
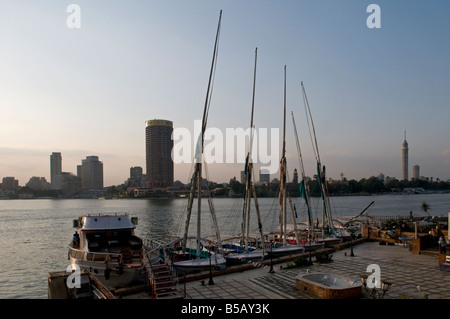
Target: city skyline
90, 90
96, 180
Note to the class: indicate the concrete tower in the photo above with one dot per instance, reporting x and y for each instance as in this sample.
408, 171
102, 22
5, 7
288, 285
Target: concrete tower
405, 159
159, 144
55, 170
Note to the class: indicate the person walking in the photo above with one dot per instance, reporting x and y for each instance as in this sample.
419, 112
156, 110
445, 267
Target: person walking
442, 245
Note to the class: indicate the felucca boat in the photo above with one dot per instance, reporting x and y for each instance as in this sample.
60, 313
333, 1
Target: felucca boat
213, 257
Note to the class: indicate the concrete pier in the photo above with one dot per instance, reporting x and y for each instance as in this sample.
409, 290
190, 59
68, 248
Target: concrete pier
412, 276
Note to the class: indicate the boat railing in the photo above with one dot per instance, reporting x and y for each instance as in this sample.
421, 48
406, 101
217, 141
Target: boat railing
95, 256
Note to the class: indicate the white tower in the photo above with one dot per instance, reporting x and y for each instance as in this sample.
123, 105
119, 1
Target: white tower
405, 159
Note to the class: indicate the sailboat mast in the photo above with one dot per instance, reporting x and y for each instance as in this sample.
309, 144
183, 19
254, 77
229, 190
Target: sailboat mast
197, 175
283, 164
199, 208
284, 115
326, 210
253, 96
303, 188
211, 73
249, 170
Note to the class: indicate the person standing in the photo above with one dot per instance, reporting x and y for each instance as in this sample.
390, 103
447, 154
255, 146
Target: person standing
442, 245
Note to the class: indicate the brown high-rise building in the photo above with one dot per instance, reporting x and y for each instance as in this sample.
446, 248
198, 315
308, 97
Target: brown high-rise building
159, 144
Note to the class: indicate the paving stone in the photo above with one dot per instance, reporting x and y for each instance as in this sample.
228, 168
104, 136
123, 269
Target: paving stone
397, 265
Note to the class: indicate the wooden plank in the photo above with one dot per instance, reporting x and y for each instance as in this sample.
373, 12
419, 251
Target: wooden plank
100, 286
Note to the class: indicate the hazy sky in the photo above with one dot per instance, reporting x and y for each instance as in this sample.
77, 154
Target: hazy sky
88, 91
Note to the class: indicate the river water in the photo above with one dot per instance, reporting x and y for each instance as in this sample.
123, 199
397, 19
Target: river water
34, 234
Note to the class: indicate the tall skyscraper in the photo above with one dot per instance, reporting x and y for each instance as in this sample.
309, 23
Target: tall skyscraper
405, 159
159, 144
55, 170
91, 173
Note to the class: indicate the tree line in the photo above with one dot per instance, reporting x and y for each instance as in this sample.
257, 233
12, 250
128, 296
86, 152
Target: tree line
371, 185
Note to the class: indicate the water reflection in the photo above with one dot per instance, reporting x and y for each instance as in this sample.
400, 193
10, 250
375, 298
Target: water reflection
35, 233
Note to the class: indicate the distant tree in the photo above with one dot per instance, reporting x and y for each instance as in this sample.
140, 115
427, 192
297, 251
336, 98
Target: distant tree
236, 187
372, 185
393, 183
354, 186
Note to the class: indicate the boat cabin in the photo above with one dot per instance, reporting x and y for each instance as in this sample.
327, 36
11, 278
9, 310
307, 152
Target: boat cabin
106, 234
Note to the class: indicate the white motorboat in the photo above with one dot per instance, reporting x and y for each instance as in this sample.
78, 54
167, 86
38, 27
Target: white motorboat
106, 245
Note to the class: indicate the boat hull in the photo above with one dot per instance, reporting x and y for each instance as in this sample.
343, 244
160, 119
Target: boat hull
200, 264
239, 258
330, 241
313, 246
286, 250
111, 274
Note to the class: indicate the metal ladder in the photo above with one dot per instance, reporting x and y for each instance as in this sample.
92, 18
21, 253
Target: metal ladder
162, 280
164, 283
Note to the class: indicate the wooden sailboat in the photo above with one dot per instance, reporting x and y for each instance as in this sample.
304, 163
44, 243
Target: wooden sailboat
311, 244
249, 252
283, 248
329, 237
210, 260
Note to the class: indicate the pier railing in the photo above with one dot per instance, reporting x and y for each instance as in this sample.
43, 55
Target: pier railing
94, 256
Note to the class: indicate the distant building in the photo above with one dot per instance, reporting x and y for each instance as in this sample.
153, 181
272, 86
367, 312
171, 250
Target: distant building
405, 159
159, 145
242, 177
416, 172
70, 184
91, 173
38, 183
264, 176
55, 170
137, 178
10, 183
295, 178
381, 177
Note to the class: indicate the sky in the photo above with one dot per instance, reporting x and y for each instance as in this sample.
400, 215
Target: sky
89, 90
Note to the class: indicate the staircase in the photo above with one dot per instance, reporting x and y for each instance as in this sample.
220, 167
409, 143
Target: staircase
164, 283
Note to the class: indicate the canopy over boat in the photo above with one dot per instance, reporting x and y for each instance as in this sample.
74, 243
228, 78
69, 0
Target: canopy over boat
105, 222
